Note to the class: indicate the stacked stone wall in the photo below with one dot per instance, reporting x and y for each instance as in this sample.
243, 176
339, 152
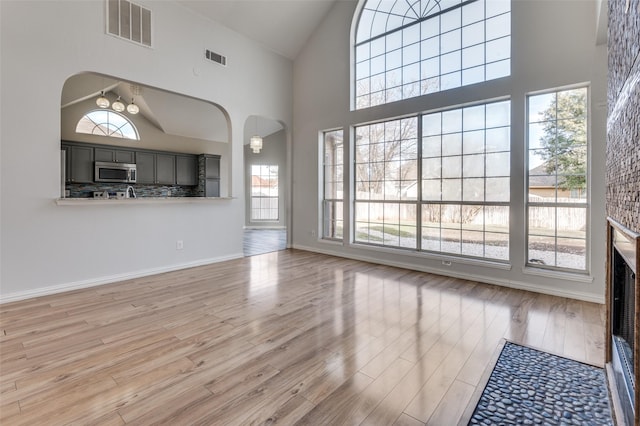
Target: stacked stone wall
623, 125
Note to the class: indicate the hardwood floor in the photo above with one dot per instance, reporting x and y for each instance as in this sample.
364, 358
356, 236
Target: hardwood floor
281, 338
260, 241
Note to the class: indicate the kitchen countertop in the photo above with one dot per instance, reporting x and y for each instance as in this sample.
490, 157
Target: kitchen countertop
137, 201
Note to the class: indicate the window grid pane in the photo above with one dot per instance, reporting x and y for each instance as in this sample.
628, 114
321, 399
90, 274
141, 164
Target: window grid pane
402, 52
466, 181
107, 123
557, 211
264, 193
386, 185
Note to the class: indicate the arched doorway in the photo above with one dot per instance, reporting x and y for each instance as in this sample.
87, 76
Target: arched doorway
265, 171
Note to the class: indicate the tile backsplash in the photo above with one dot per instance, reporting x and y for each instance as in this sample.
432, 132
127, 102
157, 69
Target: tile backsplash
86, 190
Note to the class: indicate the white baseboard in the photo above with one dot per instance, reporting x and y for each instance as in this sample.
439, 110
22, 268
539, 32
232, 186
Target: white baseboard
93, 282
280, 228
471, 277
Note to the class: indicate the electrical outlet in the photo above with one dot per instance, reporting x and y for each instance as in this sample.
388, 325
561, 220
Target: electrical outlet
313, 233
446, 262
179, 245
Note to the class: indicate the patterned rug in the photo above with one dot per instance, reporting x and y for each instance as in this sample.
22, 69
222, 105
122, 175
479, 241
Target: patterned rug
529, 387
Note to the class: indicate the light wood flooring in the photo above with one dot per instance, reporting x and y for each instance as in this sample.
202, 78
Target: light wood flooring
289, 337
260, 241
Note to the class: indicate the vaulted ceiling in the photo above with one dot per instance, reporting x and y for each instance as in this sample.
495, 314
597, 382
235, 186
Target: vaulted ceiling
283, 26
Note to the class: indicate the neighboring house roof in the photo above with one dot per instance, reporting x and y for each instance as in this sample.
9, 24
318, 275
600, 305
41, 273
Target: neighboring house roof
258, 181
539, 178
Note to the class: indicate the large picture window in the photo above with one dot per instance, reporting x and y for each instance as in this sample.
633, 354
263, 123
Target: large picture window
332, 204
447, 194
557, 181
264, 193
408, 48
386, 167
466, 181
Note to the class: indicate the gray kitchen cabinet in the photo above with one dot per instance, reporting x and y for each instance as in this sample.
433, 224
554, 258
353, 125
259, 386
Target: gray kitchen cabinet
212, 188
211, 175
212, 166
165, 169
114, 155
79, 164
156, 168
67, 162
146, 167
186, 170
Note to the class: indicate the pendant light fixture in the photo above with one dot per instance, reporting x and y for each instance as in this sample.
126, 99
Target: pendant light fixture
132, 108
117, 105
255, 143
136, 90
102, 101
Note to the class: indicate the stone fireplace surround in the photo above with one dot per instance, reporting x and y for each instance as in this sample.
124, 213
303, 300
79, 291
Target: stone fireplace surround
623, 175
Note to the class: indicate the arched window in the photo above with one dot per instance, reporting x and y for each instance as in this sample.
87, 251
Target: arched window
107, 123
408, 48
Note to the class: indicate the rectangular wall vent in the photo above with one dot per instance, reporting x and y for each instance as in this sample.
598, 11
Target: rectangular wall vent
215, 57
129, 21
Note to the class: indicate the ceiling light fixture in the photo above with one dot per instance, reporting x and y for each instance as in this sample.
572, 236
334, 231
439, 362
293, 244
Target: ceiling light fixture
117, 105
255, 143
102, 101
133, 108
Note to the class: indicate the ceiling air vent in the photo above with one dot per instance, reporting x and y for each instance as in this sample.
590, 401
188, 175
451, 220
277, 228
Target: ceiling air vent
215, 57
129, 21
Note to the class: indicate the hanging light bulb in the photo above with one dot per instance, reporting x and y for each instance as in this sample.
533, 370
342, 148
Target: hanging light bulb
102, 101
117, 105
133, 108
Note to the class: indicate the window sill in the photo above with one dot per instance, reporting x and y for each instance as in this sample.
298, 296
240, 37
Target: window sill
569, 276
446, 260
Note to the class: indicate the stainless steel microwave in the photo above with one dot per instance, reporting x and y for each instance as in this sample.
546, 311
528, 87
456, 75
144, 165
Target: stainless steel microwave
115, 172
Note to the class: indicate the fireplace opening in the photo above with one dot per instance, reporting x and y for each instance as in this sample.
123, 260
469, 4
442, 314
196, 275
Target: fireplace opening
623, 326
623, 305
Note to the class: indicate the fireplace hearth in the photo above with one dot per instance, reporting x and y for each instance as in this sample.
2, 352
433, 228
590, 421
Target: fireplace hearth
623, 310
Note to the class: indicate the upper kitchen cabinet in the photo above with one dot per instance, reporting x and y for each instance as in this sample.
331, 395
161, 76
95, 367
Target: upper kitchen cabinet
146, 167
79, 163
186, 170
165, 169
114, 155
209, 184
156, 168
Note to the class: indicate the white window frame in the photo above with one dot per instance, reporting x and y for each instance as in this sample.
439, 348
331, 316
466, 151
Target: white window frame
531, 263
332, 178
261, 198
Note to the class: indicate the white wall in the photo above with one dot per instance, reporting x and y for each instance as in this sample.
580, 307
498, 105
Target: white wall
553, 45
46, 247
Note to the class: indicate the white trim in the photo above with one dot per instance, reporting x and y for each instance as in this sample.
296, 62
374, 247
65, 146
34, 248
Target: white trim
471, 277
551, 273
489, 263
93, 282
281, 228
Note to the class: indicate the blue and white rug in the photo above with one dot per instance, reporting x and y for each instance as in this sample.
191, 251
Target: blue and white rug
529, 387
